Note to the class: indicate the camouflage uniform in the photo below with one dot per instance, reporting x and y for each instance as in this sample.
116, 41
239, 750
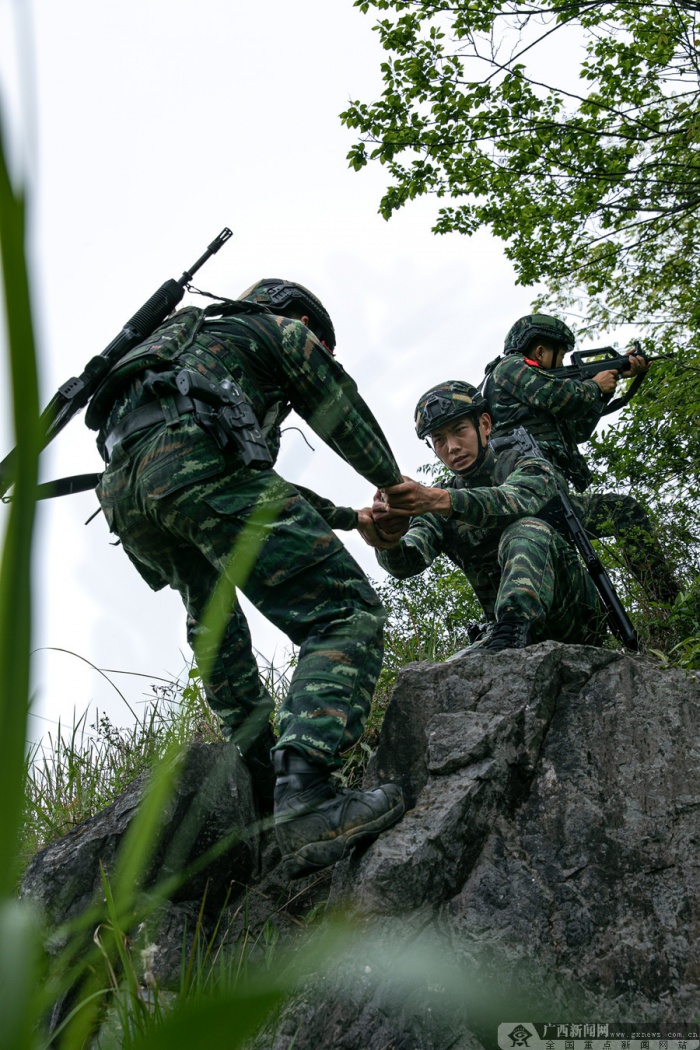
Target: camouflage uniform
560, 413
516, 561
188, 512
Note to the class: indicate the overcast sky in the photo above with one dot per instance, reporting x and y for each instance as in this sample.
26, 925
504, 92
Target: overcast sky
144, 127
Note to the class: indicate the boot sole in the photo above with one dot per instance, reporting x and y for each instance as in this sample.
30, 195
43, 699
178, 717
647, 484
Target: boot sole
315, 856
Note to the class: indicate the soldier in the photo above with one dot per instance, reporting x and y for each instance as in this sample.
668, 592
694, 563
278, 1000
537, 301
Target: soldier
188, 511
560, 413
495, 519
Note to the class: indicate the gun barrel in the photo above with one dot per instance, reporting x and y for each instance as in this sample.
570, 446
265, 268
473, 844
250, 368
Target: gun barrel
212, 249
151, 314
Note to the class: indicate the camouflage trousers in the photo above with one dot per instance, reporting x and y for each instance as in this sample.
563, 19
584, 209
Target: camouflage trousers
544, 583
254, 531
609, 514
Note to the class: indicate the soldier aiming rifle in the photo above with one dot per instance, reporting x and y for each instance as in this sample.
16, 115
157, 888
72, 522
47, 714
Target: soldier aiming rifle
560, 406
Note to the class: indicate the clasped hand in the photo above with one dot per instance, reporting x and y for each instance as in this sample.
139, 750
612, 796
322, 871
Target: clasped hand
384, 523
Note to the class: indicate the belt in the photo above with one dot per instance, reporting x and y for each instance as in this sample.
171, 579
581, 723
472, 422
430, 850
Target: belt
148, 416
544, 430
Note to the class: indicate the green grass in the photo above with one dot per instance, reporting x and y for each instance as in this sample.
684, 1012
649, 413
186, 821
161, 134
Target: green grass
78, 771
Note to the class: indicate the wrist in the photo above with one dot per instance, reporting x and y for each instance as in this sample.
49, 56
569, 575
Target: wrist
444, 503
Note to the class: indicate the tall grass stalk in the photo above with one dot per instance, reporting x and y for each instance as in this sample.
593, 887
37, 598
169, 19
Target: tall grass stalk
18, 934
15, 567
240, 562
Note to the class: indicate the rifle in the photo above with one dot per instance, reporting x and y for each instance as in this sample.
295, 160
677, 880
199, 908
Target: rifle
75, 393
588, 363
618, 620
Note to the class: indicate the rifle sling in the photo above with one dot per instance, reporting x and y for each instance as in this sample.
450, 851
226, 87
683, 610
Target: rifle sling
64, 486
620, 402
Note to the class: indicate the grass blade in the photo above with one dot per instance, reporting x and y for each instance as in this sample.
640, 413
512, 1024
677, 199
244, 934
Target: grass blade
15, 598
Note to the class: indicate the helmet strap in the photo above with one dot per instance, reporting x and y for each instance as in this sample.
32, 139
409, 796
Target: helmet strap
483, 446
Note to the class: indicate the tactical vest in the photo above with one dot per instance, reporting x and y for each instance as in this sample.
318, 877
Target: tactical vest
554, 436
162, 351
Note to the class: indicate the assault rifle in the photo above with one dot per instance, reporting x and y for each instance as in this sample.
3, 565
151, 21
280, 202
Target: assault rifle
618, 620
75, 393
588, 363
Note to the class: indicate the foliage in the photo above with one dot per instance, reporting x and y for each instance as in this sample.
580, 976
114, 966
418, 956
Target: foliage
656, 462
427, 616
570, 130
654, 448
572, 133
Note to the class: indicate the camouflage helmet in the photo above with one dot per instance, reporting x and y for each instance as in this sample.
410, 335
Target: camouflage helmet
540, 326
445, 402
294, 300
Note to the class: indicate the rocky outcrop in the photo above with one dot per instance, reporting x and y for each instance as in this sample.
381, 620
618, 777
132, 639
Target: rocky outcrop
547, 867
552, 838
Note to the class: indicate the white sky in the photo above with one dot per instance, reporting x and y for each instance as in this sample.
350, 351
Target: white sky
145, 127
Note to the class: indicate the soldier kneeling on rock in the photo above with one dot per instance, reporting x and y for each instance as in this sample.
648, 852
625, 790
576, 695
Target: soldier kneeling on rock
495, 518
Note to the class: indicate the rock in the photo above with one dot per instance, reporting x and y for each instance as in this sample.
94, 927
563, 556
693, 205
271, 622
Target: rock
551, 840
211, 802
547, 867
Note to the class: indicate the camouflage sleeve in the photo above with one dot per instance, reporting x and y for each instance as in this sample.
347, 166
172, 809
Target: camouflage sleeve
418, 548
342, 518
327, 398
531, 485
564, 398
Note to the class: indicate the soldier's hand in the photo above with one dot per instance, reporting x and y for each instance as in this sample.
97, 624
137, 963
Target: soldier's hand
390, 525
607, 381
638, 365
410, 497
374, 535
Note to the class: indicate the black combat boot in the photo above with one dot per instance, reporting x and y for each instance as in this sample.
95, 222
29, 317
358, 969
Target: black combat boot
478, 635
509, 632
316, 823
